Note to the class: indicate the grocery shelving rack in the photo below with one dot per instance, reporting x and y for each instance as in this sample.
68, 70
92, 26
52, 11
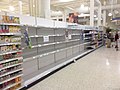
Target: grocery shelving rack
54, 45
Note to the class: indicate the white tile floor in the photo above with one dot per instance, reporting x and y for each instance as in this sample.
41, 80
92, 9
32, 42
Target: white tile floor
100, 70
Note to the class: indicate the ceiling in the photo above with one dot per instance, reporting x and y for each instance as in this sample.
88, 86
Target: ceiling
55, 4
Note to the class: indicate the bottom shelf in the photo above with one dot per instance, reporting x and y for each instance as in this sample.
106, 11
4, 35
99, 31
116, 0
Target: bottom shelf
55, 66
12, 83
13, 86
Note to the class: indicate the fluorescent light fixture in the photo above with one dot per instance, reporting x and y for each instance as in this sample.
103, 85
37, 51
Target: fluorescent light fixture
110, 14
11, 8
65, 0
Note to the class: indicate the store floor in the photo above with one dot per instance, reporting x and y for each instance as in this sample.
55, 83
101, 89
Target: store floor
100, 70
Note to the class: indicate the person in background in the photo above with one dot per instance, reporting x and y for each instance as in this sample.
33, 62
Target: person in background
116, 40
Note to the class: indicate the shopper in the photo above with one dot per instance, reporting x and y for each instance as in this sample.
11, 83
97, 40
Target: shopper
116, 40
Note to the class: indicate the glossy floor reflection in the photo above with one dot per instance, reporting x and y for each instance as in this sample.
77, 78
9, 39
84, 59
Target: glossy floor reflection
100, 70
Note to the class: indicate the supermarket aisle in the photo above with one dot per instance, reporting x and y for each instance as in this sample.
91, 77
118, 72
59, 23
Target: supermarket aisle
99, 70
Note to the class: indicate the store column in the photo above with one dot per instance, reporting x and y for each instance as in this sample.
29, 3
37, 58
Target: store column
45, 9
104, 17
92, 12
32, 7
99, 15
20, 6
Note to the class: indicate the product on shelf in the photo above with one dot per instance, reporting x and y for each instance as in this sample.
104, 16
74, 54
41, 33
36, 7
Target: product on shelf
9, 39
9, 29
9, 19
11, 82
9, 48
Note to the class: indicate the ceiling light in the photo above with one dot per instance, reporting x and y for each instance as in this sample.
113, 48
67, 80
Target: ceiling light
110, 14
11, 8
95, 15
82, 6
96, 18
28, 14
33, 5
65, 0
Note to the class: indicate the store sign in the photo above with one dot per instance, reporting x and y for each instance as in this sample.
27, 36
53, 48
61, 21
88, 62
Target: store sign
46, 38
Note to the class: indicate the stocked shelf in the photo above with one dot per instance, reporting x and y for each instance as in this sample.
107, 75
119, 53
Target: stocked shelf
12, 85
10, 52
8, 60
13, 71
10, 66
19, 75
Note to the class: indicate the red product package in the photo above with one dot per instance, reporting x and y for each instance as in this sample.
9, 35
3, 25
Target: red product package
3, 28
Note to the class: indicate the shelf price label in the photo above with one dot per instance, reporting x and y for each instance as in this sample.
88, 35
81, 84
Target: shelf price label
46, 38
69, 36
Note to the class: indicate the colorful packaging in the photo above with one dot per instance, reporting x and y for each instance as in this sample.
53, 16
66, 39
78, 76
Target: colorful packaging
7, 29
7, 19
4, 19
11, 18
16, 20
3, 28
2, 39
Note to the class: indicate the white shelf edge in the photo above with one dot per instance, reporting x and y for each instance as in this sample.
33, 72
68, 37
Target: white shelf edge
11, 78
47, 35
8, 60
42, 45
10, 44
74, 34
41, 55
17, 34
10, 66
11, 72
39, 26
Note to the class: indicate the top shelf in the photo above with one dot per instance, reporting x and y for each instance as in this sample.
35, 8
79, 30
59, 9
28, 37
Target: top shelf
31, 21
